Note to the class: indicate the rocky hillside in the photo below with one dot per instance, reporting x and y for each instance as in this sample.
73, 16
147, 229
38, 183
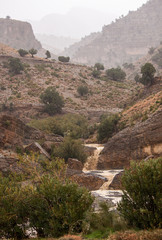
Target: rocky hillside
17, 34
133, 143
23, 90
125, 40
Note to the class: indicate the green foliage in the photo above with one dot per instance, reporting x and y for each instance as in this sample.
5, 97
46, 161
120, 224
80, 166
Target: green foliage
116, 74
73, 125
148, 72
102, 223
70, 148
33, 51
15, 66
63, 59
107, 127
22, 52
141, 203
82, 90
99, 66
49, 203
48, 54
128, 66
96, 73
52, 100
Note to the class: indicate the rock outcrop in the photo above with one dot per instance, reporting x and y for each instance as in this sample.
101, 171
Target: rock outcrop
116, 182
136, 143
125, 40
18, 34
15, 133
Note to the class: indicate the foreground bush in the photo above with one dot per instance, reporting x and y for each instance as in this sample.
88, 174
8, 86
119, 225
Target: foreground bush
48, 202
70, 148
141, 203
101, 224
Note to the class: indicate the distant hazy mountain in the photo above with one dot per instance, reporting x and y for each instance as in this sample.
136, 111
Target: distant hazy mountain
125, 40
77, 23
55, 44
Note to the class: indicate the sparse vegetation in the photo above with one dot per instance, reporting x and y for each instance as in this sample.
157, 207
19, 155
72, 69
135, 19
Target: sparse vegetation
96, 73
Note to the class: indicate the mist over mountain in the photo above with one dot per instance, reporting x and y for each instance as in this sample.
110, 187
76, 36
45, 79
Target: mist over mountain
124, 40
77, 23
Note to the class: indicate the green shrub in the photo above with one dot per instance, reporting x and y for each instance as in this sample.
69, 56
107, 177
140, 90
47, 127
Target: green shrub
107, 127
22, 52
70, 148
96, 73
33, 51
148, 72
74, 125
102, 223
63, 59
52, 100
15, 66
116, 74
49, 203
141, 203
82, 90
48, 54
99, 66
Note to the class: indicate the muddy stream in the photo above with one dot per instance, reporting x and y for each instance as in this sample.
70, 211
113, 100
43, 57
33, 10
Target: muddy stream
90, 167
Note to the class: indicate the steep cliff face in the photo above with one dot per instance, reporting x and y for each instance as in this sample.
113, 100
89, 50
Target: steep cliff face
125, 40
135, 143
17, 34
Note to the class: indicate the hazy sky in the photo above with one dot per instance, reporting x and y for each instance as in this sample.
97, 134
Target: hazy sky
36, 9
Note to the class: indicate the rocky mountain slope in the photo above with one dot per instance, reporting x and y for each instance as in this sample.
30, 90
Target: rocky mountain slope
17, 34
133, 143
125, 40
23, 90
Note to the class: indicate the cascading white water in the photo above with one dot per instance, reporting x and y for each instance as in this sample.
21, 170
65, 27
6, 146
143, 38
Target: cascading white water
91, 166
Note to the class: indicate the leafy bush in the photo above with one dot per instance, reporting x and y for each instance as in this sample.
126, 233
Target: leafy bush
141, 203
50, 204
76, 126
115, 74
96, 73
70, 148
52, 100
63, 59
15, 66
148, 72
99, 66
107, 127
103, 222
33, 51
22, 52
82, 90
48, 54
